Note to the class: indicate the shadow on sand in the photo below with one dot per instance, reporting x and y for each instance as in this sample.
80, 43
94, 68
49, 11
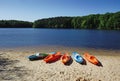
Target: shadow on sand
7, 67
99, 64
69, 63
84, 62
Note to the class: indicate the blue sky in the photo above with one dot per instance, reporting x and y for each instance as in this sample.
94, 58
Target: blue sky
30, 10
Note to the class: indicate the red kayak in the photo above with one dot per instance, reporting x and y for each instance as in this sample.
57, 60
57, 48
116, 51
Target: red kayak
91, 58
52, 58
65, 58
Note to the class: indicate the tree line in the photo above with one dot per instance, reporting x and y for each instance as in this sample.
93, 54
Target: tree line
108, 21
15, 24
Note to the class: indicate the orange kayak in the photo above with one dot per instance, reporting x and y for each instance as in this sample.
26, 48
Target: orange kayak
52, 58
65, 58
91, 58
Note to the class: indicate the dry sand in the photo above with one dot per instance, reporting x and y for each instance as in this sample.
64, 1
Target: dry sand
15, 66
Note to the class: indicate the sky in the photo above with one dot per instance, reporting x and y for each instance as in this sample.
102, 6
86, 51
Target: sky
31, 10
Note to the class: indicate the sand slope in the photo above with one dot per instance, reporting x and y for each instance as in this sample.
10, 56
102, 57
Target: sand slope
14, 66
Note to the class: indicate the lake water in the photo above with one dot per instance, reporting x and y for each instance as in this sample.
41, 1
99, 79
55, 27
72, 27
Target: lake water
16, 37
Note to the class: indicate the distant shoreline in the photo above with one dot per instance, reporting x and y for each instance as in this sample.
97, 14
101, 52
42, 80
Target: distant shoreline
107, 21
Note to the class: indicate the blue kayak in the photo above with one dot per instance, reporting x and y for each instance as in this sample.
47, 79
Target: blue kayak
77, 57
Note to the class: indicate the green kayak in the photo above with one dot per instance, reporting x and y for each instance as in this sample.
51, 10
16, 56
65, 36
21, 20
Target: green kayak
37, 56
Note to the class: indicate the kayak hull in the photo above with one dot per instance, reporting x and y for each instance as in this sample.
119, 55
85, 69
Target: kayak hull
77, 57
65, 58
52, 57
91, 58
37, 56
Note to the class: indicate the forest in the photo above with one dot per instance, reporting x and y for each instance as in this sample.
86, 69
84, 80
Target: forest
107, 21
15, 24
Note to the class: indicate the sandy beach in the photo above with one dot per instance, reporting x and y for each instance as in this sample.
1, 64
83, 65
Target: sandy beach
15, 66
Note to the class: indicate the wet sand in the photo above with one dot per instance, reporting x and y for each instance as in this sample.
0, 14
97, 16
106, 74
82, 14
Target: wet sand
15, 66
